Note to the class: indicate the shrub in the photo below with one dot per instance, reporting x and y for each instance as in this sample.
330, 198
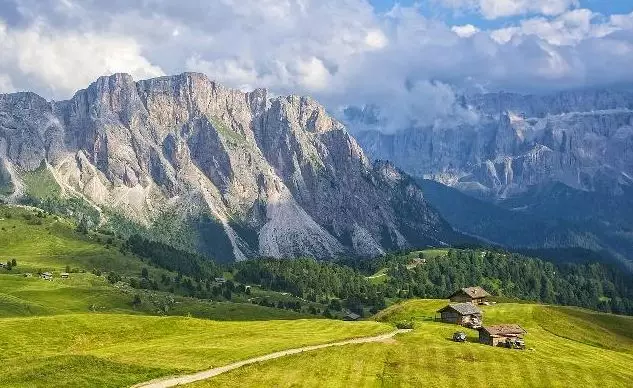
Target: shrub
405, 325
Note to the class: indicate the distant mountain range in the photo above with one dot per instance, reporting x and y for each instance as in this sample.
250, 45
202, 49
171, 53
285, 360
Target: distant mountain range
211, 169
553, 171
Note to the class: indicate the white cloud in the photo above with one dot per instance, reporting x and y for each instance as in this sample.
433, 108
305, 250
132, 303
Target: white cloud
339, 51
465, 31
376, 39
569, 28
493, 9
64, 62
6, 86
622, 21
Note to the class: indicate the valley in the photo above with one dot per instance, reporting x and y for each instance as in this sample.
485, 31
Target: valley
316, 193
95, 328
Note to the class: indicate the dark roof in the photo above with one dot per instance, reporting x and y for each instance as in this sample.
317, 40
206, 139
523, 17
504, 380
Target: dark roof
504, 329
353, 316
462, 308
473, 292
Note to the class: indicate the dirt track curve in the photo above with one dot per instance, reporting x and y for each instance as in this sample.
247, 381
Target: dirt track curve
186, 379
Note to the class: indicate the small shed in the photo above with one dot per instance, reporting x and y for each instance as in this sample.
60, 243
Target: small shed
64, 275
351, 317
474, 295
46, 276
461, 314
498, 334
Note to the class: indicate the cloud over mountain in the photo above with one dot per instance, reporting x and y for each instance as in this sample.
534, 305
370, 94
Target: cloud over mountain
341, 52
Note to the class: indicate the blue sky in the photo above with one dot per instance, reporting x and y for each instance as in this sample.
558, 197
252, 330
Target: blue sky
433, 10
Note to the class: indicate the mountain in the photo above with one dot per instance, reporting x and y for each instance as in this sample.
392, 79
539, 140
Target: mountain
582, 139
211, 169
563, 160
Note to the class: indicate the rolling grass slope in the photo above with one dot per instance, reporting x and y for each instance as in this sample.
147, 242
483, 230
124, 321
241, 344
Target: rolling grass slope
568, 347
50, 243
41, 242
114, 350
85, 331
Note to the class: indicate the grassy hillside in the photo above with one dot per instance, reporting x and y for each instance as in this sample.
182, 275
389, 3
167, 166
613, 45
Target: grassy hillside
40, 242
112, 350
567, 347
89, 331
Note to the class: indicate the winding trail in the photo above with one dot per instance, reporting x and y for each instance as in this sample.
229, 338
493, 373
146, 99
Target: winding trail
186, 379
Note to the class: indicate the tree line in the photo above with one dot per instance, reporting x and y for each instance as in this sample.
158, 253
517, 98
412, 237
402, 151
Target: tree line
344, 285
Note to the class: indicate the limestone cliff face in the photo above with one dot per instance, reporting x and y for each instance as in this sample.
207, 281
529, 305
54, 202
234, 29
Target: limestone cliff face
279, 169
582, 139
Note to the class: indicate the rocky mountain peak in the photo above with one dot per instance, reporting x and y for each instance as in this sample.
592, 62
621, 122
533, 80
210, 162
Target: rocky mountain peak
241, 174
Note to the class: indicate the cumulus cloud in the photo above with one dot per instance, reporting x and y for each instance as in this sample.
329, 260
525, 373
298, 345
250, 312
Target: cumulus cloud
60, 63
493, 9
569, 28
341, 52
465, 31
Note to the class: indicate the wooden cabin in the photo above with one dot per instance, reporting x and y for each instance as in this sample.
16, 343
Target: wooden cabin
498, 334
465, 314
474, 295
351, 317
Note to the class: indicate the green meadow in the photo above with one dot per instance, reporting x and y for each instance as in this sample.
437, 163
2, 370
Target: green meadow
44, 242
566, 347
85, 331
114, 350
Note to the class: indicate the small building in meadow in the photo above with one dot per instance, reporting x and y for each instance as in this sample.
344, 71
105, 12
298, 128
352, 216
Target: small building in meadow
46, 276
64, 275
474, 295
351, 317
498, 334
465, 314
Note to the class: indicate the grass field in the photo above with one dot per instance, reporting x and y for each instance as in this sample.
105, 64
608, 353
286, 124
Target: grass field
84, 331
51, 243
113, 350
568, 347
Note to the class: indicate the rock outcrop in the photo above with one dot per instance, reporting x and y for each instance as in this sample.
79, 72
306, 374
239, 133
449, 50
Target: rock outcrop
278, 175
582, 139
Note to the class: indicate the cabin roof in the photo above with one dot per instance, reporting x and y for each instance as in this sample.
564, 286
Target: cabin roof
473, 292
353, 316
504, 329
462, 308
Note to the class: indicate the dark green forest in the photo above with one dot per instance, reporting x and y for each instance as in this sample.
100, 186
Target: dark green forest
344, 285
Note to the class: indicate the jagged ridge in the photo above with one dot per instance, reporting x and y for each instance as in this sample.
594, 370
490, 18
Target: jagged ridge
277, 175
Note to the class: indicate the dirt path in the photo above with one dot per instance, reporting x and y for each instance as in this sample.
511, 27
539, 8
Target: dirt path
186, 379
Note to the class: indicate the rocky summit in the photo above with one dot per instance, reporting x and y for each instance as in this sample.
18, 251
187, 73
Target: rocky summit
514, 142
215, 167
553, 170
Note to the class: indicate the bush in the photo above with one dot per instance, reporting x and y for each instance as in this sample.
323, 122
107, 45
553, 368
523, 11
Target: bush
405, 325
114, 277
